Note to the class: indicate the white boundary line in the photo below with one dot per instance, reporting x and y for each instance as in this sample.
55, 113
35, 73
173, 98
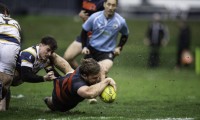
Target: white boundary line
106, 118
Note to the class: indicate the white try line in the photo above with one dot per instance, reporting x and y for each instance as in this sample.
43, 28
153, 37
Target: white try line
122, 118
171, 119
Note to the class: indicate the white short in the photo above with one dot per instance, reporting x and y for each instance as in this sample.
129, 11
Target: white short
8, 57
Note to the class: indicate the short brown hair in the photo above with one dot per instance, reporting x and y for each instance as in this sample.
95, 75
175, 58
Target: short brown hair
89, 67
48, 40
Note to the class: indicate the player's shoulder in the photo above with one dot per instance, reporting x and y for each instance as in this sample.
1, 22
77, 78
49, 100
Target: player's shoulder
120, 18
96, 15
29, 51
117, 15
15, 23
10, 21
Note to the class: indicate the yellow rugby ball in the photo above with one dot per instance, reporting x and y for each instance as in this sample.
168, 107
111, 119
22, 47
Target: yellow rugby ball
108, 95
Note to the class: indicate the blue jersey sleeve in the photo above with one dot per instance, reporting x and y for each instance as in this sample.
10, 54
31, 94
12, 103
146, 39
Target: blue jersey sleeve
87, 26
27, 59
124, 30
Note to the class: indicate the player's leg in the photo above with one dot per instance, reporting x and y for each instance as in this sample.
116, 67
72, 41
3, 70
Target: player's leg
4, 103
8, 96
72, 51
49, 103
105, 60
15, 82
8, 57
49, 100
5, 82
105, 67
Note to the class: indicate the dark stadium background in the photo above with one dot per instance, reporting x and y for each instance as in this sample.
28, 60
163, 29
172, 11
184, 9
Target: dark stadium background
129, 8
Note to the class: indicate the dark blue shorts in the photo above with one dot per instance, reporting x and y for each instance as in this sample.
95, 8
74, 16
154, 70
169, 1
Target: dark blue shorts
99, 55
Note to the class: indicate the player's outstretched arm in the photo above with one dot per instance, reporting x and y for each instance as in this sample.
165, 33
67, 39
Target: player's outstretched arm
61, 64
93, 90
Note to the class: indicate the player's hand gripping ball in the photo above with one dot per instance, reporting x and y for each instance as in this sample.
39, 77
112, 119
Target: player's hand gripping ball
108, 95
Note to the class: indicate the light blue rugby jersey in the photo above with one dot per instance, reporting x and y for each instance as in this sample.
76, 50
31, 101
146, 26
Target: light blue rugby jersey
105, 31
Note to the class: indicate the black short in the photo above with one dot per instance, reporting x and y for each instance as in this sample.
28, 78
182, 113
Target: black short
98, 55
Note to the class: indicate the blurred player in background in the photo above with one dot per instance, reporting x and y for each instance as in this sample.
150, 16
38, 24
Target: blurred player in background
88, 7
35, 58
105, 26
157, 35
183, 44
84, 82
9, 48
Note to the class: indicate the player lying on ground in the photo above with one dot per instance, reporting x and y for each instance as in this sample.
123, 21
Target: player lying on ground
83, 83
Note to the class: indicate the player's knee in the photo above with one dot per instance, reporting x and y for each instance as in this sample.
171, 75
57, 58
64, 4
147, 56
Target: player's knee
66, 58
105, 71
106, 68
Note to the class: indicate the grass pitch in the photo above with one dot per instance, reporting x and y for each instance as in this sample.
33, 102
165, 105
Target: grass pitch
143, 93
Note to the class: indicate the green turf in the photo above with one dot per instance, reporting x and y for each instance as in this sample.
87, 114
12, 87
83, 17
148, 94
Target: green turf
143, 93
